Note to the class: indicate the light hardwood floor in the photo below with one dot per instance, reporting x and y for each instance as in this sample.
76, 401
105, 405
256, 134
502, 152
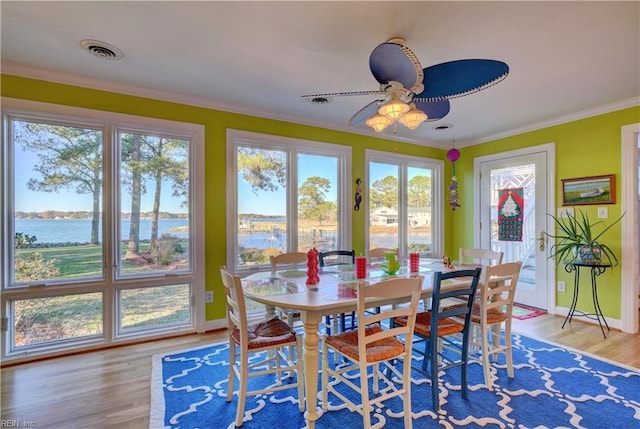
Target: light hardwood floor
110, 388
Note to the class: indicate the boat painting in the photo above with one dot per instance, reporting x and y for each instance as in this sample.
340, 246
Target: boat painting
589, 190
592, 193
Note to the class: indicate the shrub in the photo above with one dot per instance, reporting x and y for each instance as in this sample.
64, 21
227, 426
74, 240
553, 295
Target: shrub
33, 267
165, 248
24, 240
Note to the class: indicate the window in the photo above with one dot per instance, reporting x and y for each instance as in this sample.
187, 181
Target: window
99, 227
404, 195
278, 185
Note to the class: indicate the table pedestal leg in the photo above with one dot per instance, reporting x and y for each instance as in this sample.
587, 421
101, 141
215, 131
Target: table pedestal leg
310, 355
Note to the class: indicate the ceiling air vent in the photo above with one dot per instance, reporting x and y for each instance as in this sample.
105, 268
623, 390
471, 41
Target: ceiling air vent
319, 100
101, 49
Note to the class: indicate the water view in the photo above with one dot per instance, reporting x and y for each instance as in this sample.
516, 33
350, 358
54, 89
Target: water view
79, 230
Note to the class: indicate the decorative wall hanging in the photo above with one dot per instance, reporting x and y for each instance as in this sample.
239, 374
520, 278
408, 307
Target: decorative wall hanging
589, 190
510, 214
358, 194
453, 155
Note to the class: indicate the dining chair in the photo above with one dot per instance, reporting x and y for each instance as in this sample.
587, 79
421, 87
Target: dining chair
378, 253
332, 258
479, 256
336, 257
492, 314
259, 349
445, 329
371, 346
484, 257
291, 260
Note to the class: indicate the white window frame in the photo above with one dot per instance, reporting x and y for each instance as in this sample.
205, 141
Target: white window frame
292, 146
437, 197
108, 285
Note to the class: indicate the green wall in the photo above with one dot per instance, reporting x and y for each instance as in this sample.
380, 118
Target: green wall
216, 124
586, 147
583, 148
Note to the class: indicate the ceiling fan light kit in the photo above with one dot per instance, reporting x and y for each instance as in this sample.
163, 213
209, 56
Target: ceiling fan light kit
379, 122
393, 109
412, 95
413, 118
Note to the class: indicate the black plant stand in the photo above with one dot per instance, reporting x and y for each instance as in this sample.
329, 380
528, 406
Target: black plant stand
596, 270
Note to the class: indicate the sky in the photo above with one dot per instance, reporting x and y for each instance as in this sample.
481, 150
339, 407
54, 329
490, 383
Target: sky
274, 203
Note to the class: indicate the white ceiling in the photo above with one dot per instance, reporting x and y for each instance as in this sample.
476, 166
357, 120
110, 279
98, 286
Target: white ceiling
567, 59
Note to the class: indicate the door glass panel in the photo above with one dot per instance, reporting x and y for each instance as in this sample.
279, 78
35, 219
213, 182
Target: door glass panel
154, 307
513, 224
419, 214
154, 204
317, 202
57, 202
383, 205
53, 319
510, 186
262, 204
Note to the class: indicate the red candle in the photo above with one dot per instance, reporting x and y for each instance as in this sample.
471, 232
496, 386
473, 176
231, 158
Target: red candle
361, 267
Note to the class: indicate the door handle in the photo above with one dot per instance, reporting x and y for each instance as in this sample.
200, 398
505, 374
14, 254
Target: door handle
541, 241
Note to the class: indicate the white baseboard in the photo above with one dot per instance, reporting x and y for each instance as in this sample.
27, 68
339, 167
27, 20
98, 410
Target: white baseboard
613, 323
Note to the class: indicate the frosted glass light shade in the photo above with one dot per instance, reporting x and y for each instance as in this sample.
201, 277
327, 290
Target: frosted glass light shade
413, 118
393, 109
379, 122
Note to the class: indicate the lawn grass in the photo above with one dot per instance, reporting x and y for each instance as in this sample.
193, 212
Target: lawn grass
40, 320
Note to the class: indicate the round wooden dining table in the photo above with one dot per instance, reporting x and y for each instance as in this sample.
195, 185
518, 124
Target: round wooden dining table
335, 293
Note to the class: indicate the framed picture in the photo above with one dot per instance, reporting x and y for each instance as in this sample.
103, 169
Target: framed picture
589, 190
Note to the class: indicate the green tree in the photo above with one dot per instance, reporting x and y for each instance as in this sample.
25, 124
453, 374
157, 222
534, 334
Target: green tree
134, 164
263, 169
384, 192
419, 191
166, 159
70, 158
312, 203
151, 161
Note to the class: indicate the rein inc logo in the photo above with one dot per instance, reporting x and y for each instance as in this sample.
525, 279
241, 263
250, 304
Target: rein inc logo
17, 423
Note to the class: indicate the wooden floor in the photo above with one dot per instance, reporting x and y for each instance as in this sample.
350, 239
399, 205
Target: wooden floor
110, 388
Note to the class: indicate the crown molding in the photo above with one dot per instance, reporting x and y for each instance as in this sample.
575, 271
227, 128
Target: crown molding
600, 110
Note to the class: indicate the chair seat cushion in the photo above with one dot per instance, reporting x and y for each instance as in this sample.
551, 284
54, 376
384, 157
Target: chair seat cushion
347, 344
269, 333
446, 326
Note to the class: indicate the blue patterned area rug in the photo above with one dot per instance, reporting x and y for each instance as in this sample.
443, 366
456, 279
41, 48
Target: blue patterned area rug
554, 387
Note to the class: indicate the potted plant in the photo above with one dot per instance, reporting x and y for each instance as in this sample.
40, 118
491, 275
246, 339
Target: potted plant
578, 241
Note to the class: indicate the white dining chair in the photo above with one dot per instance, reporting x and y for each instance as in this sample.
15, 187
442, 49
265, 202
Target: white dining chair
272, 338
479, 256
377, 254
288, 260
492, 315
371, 346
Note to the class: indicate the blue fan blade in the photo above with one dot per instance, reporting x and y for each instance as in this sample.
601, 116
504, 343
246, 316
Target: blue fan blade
365, 113
434, 109
462, 77
391, 61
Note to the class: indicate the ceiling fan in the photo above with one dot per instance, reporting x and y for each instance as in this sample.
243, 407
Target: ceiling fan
410, 94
